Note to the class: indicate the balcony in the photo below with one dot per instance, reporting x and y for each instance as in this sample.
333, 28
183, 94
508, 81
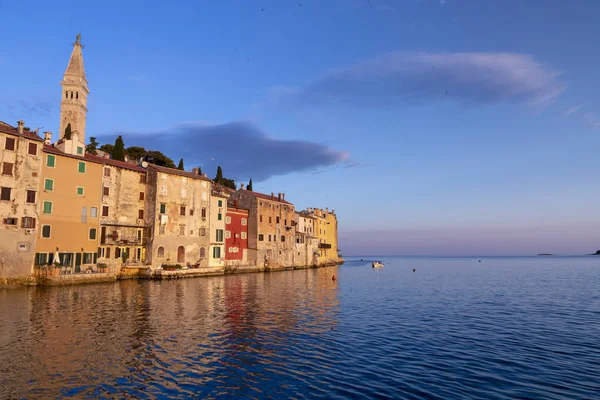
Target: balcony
324, 245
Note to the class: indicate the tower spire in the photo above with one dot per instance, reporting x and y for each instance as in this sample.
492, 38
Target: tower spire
73, 109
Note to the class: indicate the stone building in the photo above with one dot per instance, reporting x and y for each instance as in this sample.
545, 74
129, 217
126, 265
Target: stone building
236, 234
20, 170
178, 211
326, 230
306, 247
124, 226
270, 232
218, 211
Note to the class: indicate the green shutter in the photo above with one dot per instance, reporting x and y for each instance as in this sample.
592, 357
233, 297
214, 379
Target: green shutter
79, 150
80, 191
81, 167
49, 185
77, 259
46, 231
219, 217
47, 207
163, 208
92, 233
50, 160
220, 203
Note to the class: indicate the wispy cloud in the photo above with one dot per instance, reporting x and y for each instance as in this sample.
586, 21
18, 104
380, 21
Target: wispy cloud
592, 119
572, 110
443, 2
241, 148
26, 109
476, 78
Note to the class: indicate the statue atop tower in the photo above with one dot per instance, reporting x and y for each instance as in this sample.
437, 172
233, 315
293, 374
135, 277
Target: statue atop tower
73, 110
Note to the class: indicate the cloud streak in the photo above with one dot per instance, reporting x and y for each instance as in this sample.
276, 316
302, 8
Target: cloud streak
241, 148
401, 78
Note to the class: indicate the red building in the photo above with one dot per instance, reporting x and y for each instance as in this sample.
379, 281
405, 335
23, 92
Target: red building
236, 233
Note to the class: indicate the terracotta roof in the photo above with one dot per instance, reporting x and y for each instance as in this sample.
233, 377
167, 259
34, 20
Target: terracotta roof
174, 171
11, 130
306, 214
265, 196
94, 159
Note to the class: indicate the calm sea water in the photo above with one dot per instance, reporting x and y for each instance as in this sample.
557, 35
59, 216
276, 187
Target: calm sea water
502, 328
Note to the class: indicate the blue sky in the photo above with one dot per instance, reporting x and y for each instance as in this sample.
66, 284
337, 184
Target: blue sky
431, 127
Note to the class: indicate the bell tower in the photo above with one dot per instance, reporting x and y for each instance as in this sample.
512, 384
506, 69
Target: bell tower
73, 110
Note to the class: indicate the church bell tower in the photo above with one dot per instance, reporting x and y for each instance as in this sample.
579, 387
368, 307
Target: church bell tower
73, 110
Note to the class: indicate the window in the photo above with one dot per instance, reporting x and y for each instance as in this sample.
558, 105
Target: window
27, 222
191, 211
276, 220
202, 252
163, 190
161, 252
219, 235
244, 235
182, 230
31, 196
100, 252
140, 214
79, 150
270, 220
84, 214
163, 208
183, 193
7, 168
41, 258
92, 234
50, 160
94, 212
139, 235
5, 193
261, 237
274, 238
106, 171
227, 219
106, 191
9, 144
204, 213
261, 203
49, 185
220, 203
261, 218
81, 167
79, 191
117, 252
202, 231
46, 231
220, 216
227, 234
182, 211
161, 229
105, 211
10, 221
47, 207
87, 258
216, 252
108, 252
285, 222
32, 149
282, 238
244, 222
142, 195
143, 178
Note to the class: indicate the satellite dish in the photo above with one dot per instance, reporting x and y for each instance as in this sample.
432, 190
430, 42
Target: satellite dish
145, 164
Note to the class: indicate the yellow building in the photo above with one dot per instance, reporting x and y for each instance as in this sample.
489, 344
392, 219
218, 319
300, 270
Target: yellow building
326, 230
69, 209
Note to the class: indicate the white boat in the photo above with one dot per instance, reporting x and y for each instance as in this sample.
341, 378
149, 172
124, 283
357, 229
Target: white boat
377, 264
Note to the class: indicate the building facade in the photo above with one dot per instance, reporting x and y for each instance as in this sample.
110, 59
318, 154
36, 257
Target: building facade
326, 230
236, 234
178, 208
218, 211
20, 170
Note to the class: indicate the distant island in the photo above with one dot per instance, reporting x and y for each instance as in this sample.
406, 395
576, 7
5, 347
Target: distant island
545, 254
597, 253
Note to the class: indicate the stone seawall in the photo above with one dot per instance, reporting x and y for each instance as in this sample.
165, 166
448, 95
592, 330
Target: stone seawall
149, 274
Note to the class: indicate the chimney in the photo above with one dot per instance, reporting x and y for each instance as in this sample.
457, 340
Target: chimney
20, 125
47, 138
235, 203
195, 171
204, 175
241, 186
272, 196
326, 209
283, 196
279, 196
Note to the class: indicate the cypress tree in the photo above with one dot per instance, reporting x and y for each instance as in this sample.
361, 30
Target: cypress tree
119, 150
219, 177
68, 132
180, 166
250, 185
199, 170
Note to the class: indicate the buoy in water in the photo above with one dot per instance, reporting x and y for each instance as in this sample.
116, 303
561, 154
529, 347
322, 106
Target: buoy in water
333, 278
414, 269
479, 260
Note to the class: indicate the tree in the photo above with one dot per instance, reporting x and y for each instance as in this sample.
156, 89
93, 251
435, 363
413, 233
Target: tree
68, 132
136, 152
180, 166
158, 158
230, 183
219, 177
107, 148
249, 185
92, 147
119, 150
199, 170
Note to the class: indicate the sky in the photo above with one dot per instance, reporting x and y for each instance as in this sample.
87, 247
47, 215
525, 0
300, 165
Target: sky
431, 127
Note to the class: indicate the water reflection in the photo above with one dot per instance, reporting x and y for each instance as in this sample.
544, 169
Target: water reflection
171, 338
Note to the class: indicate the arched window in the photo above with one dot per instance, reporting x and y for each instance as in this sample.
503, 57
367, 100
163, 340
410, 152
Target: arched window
161, 252
202, 252
76, 95
180, 254
71, 94
66, 94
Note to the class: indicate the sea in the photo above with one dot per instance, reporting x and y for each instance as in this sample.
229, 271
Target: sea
418, 328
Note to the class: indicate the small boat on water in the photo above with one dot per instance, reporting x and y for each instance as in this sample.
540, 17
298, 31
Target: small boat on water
377, 264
